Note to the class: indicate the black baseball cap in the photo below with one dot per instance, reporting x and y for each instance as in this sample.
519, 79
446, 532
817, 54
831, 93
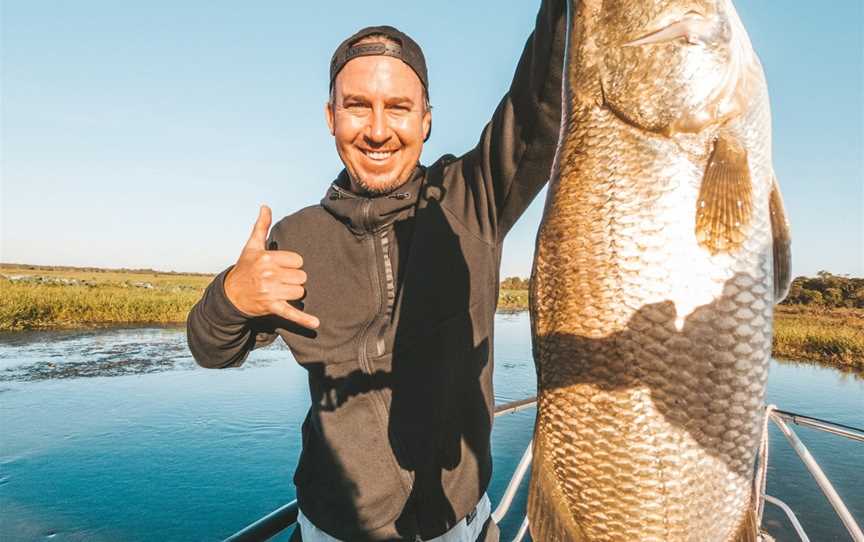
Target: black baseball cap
407, 51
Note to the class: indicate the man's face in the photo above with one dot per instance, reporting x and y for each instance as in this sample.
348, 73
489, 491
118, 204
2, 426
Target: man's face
379, 120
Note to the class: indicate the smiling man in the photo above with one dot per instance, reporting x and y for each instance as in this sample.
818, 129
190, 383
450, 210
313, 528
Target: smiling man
386, 293
379, 112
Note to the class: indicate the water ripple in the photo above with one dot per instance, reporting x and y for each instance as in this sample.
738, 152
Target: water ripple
54, 355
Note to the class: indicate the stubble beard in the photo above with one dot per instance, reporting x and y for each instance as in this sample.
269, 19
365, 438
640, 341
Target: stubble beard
378, 189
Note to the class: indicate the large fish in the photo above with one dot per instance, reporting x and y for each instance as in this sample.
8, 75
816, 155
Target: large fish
663, 248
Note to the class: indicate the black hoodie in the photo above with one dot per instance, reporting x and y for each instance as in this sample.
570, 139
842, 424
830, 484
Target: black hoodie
396, 442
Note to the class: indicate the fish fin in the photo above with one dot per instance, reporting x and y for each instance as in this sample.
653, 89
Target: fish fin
548, 516
725, 203
782, 244
748, 530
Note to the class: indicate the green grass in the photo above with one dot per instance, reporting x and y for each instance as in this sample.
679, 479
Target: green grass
833, 336
107, 298
512, 300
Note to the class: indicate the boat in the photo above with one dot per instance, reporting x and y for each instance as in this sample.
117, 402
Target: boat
285, 517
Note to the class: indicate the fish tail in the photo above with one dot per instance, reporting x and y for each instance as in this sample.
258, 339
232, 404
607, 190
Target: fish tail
548, 516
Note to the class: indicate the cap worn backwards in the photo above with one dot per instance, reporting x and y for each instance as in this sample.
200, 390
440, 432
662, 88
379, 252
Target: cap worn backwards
404, 48
407, 50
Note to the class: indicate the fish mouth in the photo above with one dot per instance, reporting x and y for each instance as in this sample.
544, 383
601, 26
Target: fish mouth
694, 28
699, 67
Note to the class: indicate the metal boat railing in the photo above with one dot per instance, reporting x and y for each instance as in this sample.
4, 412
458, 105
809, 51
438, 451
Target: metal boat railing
283, 518
780, 417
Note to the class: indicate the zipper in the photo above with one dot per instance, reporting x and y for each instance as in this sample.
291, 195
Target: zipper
385, 298
406, 477
365, 364
389, 279
338, 193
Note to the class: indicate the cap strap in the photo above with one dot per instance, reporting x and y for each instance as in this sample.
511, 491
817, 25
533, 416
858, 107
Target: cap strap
366, 49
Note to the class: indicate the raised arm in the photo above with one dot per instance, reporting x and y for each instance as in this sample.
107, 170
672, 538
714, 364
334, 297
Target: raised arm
513, 158
240, 308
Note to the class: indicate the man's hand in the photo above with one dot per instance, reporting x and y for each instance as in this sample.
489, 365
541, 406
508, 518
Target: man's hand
263, 281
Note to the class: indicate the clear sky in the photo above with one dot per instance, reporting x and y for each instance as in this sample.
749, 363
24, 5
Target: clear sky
146, 134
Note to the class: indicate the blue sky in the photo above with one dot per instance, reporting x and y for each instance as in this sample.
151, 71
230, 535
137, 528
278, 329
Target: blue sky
146, 134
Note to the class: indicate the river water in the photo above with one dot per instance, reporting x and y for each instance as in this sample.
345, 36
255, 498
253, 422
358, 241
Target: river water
117, 435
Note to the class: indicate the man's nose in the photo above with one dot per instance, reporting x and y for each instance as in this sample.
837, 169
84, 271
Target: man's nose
379, 130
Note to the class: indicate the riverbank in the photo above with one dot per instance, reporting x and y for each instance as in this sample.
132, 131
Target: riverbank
40, 297
833, 336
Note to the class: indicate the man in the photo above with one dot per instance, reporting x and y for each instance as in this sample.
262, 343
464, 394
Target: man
386, 293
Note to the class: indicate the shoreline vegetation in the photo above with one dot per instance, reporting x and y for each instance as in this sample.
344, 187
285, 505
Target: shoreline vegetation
822, 319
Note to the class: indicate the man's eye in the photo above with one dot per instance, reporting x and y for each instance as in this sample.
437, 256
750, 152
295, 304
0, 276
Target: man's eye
355, 105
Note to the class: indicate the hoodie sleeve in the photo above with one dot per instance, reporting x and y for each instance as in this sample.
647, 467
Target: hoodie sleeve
513, 159
218, 333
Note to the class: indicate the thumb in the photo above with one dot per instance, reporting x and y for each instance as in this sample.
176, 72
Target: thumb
258, 239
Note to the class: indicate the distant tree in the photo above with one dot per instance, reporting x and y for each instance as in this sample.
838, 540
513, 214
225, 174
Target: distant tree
509, 283
514, 283
833, 290
833, 297
796, 289
857, 298
816, 284
850, 287
811, 297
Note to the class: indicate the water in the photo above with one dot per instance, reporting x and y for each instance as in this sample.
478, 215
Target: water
117, 435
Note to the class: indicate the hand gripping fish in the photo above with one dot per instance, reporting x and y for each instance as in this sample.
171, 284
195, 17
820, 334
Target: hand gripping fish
663, 248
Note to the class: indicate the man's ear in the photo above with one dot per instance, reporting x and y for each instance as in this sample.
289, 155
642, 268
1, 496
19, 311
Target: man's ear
427, 125
328, 114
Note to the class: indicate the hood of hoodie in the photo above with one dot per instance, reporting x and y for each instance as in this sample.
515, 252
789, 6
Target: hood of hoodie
363, 213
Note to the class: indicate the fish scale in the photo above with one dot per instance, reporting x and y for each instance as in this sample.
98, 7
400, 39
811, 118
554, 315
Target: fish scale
651, 307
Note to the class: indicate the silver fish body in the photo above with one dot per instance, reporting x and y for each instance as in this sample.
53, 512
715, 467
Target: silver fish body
662, 250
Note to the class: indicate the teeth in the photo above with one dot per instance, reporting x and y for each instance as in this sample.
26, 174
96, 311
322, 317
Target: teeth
378, 155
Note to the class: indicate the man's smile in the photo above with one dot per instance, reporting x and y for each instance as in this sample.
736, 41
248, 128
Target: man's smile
378, 155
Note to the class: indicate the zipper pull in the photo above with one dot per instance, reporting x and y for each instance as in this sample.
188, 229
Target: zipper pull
337, 192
